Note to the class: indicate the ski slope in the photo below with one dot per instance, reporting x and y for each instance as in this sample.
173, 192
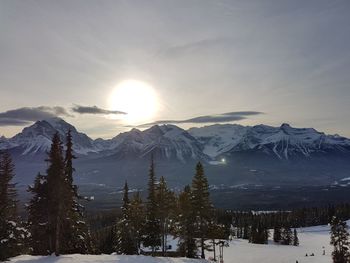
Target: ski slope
312, 240
101, 259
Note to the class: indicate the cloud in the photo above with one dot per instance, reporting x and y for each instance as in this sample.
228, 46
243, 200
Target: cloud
12, 122
216, 118
94, 110
26, 115
193, 46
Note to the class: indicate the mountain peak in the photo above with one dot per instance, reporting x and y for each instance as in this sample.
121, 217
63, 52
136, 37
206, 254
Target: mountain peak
285, 126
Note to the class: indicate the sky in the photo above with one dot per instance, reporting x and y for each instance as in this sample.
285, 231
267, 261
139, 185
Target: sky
204, 61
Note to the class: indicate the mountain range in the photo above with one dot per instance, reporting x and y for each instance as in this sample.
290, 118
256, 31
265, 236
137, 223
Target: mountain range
232, 154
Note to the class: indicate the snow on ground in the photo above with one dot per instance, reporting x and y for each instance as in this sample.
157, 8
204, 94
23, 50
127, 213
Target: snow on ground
101, 259
312, 240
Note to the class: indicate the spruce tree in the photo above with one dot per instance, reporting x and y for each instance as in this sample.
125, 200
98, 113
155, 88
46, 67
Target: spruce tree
137, 215
339, 239
295, 238
105, 240
202, 207
186, 220
13, 235
151, 236
277, 234
125, 234
165, 200
38, 216
56, 195
287, 236
76, 234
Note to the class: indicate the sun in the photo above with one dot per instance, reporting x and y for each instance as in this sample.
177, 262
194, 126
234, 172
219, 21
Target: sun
137, 98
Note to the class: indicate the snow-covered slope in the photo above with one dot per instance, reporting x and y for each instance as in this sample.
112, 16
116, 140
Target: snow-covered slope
219, 138
37, 137
166, 141
283, 142
101, 259
313, 240
5, 143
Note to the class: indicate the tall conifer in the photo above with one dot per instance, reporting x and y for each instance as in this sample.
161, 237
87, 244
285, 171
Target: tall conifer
151, 237
186, 220
125, 234
202, 207
340, 240
38, 216
12, 235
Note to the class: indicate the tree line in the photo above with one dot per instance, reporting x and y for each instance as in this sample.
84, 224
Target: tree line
144, 226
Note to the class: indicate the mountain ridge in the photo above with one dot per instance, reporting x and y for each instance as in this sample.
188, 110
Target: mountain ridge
232, 154
202, 143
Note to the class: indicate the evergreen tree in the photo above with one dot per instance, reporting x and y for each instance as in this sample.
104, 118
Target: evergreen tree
107, 240
76, 234
339, 239
151, 237
125, 238
246, 232
253, 233
277, 234
165, 200
38, 216
186, 220
287, 236
295, 238
137, 215
12, 234
56, 199
202, 207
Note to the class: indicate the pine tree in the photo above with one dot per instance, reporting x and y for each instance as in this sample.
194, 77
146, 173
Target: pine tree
287, 236
56, 199
295, 238
125, 238
137, 215
54, 210
201, 205
186, 220
151, 237
12, 234
277, 234
339, 239
106, 240
76, 234
165, 200
38, 216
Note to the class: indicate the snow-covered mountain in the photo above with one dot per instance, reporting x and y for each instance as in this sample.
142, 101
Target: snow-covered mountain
284, 142
166, 142
37, 137
242, 154
172, 142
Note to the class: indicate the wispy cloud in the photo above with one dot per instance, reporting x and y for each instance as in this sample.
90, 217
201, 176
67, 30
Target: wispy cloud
216, 118
193, 46
26, 115
94, 110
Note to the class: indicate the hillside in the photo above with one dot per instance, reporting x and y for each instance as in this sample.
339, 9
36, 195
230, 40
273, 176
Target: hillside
312, 240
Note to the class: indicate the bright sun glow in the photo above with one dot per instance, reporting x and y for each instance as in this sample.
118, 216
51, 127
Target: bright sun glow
138, 99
